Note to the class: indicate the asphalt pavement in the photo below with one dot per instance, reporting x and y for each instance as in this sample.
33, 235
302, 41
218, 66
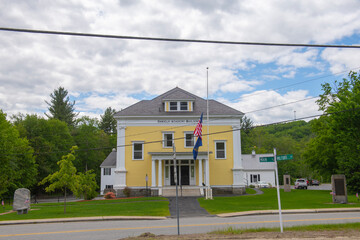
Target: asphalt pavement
188, 207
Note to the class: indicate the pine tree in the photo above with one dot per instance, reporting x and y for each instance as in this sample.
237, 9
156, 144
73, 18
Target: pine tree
108, 122
60, 107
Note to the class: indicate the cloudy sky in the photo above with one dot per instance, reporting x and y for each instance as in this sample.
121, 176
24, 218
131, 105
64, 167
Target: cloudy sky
99, 73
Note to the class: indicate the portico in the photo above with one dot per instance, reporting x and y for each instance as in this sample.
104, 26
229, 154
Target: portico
189, 171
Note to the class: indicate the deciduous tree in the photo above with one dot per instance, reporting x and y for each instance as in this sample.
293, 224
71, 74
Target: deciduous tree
336, 147
65, 178
18, 167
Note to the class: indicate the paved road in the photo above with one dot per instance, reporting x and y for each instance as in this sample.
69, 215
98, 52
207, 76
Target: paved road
111, 230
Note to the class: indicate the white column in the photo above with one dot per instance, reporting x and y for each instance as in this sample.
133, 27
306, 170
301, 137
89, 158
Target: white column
237, 147
153, 174
120, 170
200, 173
160, 177
160, 173
207, 177
120, 156
238, 170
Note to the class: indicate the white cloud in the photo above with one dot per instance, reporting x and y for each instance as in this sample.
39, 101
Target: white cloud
271, 107
342, 59
110, 70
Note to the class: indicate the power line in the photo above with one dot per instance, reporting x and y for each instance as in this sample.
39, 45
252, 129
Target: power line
93, 35
213, 133
280, 105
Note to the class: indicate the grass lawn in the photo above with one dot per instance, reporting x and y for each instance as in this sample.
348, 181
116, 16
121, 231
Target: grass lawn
146, 206
250, 191
317, 227
296, 199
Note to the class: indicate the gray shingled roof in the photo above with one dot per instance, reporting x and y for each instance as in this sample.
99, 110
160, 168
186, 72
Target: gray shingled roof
155, 106
110, 161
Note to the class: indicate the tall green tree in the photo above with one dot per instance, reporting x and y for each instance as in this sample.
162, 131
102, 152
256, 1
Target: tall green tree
108, 122
336, 147
49, 138
60, 107
18, 167
94, 145
65, 178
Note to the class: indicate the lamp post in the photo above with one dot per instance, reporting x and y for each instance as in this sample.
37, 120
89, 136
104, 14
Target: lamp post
146, 180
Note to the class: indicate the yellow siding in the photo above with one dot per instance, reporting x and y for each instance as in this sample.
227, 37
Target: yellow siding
220, 170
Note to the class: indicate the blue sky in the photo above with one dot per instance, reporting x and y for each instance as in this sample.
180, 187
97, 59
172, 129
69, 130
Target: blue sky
99, 73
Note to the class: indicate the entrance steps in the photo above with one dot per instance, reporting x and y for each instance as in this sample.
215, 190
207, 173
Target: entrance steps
185, 191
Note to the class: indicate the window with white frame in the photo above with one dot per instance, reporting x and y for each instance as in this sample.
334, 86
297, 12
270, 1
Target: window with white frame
173, 106
189, 139
220, 149
168, 139
254, 178
107, 171
183, 106
138, 148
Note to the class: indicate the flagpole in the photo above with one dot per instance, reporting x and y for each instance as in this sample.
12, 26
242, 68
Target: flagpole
208, 131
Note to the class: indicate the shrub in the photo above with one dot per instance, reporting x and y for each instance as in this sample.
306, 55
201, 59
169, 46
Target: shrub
127, 191
252, 186
110, 195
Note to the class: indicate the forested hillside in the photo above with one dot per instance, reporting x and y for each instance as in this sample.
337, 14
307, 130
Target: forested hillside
287, 138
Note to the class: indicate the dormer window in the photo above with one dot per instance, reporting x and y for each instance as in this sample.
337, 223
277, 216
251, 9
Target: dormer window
173, 106
185, 106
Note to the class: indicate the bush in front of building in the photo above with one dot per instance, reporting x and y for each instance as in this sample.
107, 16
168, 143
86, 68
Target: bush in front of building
127, 192
109, 195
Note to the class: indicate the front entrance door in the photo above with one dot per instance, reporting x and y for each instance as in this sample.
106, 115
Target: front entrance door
185, 180
184, 173
185, 169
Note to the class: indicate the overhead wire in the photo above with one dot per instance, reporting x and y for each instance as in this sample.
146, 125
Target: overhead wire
213, 133
95, 35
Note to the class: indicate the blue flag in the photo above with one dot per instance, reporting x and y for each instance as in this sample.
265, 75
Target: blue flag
196, 147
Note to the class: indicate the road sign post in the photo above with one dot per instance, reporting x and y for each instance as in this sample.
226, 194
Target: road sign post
278, 191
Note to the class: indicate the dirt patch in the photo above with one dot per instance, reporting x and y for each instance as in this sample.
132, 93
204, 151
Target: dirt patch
348, 234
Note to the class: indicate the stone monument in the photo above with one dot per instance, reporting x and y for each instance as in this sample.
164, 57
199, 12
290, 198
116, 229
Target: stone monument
21, 202
339, 191
287, 183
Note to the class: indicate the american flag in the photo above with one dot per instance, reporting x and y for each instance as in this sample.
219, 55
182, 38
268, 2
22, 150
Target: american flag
198, 129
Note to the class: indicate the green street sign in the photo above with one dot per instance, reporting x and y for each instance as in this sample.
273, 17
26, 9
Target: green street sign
267, 159
284, 157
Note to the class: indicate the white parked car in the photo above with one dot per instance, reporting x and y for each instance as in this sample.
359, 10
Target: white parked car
301, 183
262, 184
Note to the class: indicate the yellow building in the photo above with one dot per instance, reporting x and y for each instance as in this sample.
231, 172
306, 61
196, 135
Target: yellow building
147, 133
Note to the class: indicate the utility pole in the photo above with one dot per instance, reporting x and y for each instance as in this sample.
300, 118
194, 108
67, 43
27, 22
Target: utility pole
176, 184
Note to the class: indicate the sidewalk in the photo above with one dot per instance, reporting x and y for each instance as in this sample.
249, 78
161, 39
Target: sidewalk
223, 215
80, 219
291, 211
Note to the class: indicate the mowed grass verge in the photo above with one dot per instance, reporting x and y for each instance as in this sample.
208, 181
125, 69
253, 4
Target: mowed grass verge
296, 199
146, 206
317, 227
